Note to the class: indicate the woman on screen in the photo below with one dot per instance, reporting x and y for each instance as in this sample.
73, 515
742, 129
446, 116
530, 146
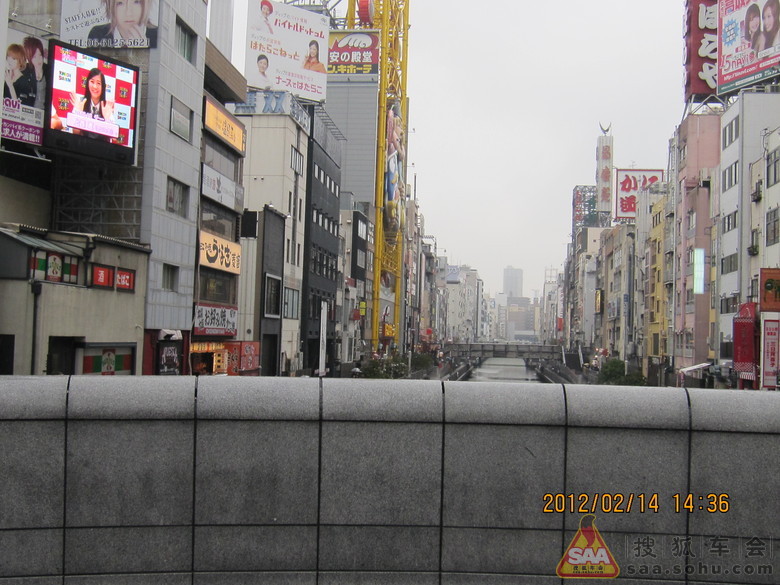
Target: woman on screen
18, 81
92, 104
128, 26
312, 62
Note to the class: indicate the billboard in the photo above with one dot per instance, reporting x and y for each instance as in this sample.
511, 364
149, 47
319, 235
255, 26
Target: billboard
628, 184
748, 43
700, 48
24, 92
110, 24
769, 299
584, 202
604, 173
91, 104
354, 52
286, 49
395, 174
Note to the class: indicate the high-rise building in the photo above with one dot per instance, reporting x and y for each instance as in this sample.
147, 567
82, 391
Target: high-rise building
513, 282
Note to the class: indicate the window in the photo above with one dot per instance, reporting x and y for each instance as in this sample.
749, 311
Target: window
729, 222
362, 229
181, 119
170, 277
729, 264
773, 167
296, 160
273, 296
217, 286
178, 197
729, 304
772, 232
292, 303
361, 258
218, 220
220, 158
185, 41
730, 132
730, 176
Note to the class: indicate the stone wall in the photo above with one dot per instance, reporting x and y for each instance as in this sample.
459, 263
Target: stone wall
222, 480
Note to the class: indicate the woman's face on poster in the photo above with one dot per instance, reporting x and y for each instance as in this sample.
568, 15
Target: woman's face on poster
754, 24
769, 18
129, 12
12, 64
37, 59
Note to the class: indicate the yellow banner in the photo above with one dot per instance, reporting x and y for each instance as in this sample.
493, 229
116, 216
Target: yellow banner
219, 254
225, 125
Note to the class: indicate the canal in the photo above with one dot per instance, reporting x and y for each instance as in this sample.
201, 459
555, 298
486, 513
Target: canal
504, 370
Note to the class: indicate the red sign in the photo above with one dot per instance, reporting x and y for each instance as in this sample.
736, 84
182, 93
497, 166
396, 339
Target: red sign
629, 184
700, 46
102, 276
125, 279
769, 299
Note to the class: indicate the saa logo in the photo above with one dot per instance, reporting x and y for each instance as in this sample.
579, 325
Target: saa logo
587, 557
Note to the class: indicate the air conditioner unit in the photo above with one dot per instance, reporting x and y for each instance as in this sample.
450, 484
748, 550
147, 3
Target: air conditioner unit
705, 176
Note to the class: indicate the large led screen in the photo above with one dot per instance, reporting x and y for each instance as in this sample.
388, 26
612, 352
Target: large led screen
92, 105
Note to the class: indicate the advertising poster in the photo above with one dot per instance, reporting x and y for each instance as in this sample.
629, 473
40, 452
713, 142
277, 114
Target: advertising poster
748, 43
354, 52
286, 49
769, 299
110, 24
395, 180
24, 88
628, 184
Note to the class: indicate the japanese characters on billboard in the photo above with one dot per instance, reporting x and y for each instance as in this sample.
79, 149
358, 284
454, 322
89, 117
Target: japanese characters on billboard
748, 42
110, 24
700, 47
24, 91
287, 49
628, 184
354, 52
770, 327
604, 173
395, 179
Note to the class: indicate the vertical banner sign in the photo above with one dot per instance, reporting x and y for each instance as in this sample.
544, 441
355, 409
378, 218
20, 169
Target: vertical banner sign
700, 48
604, 173
698, 271
769, 338
323, 336
628, 184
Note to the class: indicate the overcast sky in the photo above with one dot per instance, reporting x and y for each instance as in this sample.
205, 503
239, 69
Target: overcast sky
506, 99
505, 104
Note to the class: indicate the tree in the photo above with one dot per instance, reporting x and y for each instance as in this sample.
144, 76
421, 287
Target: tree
614, 373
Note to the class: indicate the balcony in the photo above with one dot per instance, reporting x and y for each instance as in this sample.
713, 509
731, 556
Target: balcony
755, 196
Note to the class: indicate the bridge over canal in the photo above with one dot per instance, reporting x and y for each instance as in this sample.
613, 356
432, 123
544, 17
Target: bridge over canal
529, 352
168, 480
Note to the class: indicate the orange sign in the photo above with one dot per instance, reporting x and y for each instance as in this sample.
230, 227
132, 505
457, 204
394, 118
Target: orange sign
770, 290
587, 557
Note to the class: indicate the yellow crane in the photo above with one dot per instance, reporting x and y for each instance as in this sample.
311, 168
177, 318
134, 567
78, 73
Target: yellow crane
391, 19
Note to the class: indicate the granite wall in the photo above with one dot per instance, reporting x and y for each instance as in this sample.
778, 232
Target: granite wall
228, 481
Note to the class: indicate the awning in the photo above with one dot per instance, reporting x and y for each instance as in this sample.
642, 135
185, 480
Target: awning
694, 368
41, 244
747, 375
